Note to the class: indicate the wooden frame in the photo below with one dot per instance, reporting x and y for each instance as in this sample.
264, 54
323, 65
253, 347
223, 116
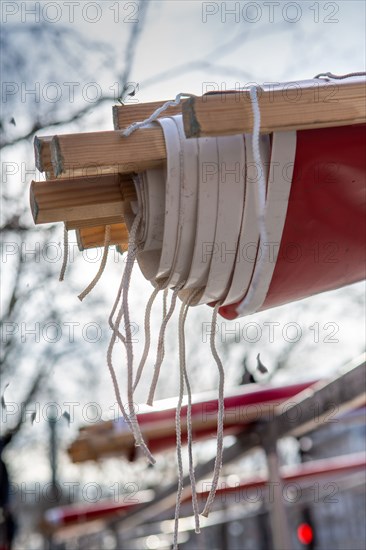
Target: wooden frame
290, 106
77, 158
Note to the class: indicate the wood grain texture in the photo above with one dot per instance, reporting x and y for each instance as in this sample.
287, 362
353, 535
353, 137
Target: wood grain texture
42, 153
142, 150
124, 115
82, 201
290, 106
90, 222
93, 237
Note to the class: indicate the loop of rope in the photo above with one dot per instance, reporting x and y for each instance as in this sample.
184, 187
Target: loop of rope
171, 103
92, 284
66, 255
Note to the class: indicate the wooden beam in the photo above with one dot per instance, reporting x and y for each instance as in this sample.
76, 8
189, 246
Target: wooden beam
42, 155
289, 106
141, 150
42, 152
93, 237
165, 497
85, 200
90, 223
124, 115
342, 393
320, 403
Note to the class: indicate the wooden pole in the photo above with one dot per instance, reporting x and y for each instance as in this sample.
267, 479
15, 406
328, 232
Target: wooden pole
81, 201
93, 237
42, 154
124, 115
289, 106
141, 150
281, 539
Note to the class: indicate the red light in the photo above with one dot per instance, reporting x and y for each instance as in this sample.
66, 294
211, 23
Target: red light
305, 533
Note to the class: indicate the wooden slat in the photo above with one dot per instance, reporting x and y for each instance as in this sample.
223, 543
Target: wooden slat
81, 199
89, 223
42, 154
124, 115
141, 150
93, 237
289, 106
91, 171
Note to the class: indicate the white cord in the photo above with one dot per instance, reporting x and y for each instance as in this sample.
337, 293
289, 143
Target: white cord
147, 337
92, 284
183, 378
130, 418
66, 255
171, 103
220, 417
245, 307
161, 349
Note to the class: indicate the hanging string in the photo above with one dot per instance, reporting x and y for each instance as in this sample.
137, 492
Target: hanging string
92, 284
111, 315
66, 255
113, 325
147, 336
260, 204
161, 348
130, 418
220, 416
189, 417
165, 300
171, 103
183, 378
129, 343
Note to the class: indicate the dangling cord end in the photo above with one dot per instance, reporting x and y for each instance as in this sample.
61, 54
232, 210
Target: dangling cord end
220, 417
66, 255
183, 378
147, 337
161, 349
178, 427
131, 255
189, 417
89, 288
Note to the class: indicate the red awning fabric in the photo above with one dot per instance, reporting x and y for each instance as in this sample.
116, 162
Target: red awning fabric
322, 246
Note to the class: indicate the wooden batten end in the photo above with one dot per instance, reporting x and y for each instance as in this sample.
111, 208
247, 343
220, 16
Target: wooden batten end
115, 117
33, 202
79, 240
89, 223
42, 153
127, 186
192, 127
121, 248
93, 237
37, 143
56, 156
